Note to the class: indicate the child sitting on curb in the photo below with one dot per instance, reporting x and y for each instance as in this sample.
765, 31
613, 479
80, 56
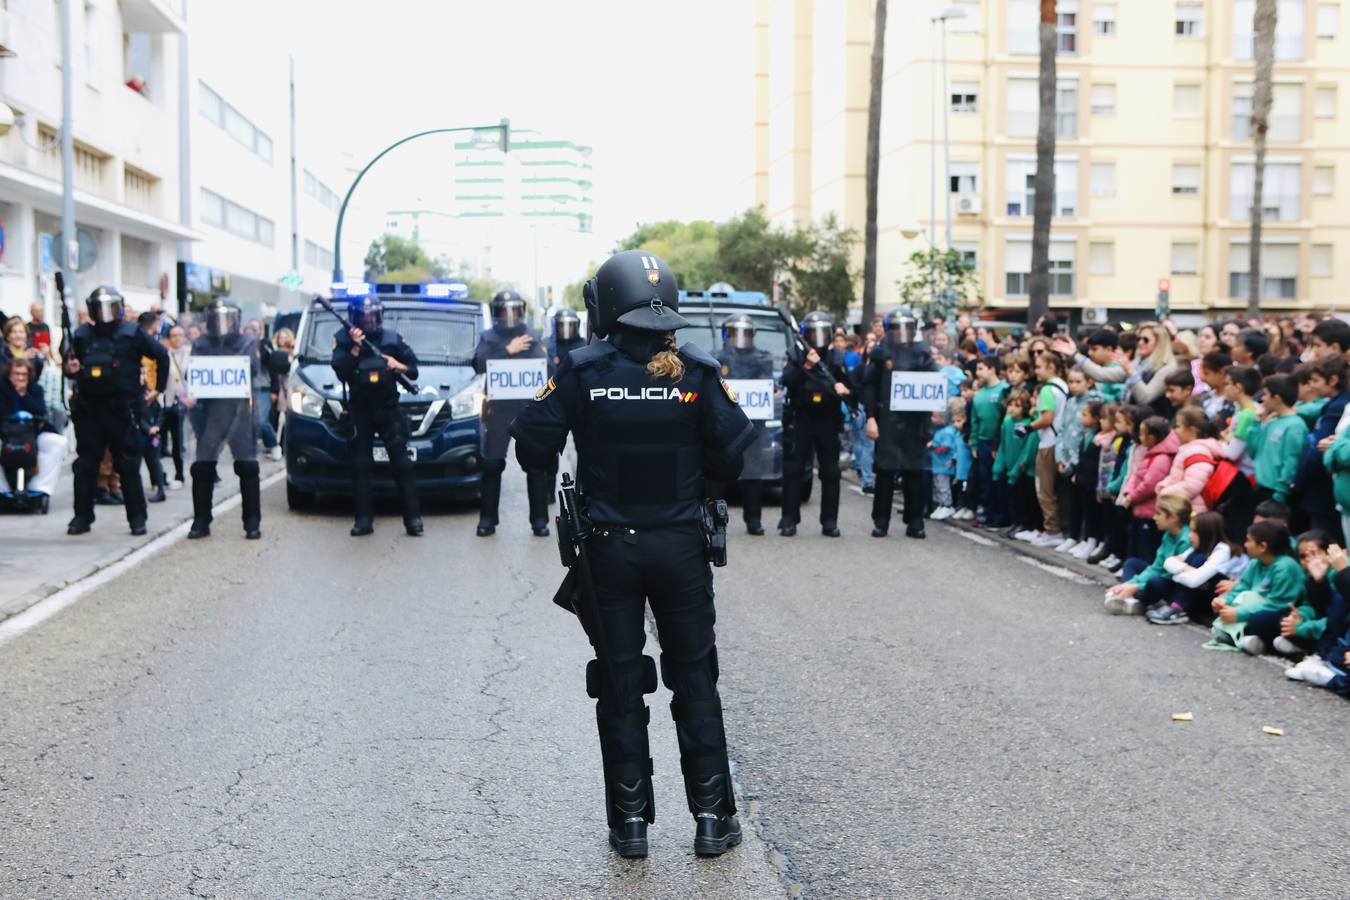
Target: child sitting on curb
1172, 515
1193, 578
1272, 582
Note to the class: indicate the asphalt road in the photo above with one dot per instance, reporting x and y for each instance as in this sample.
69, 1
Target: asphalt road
311, 715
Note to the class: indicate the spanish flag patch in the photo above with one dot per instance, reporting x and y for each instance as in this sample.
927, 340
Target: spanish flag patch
731, 395
545, 390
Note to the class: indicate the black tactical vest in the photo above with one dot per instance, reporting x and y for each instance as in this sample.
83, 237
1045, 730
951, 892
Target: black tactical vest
110, 365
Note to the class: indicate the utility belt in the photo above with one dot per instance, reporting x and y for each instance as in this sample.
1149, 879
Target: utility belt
713, 520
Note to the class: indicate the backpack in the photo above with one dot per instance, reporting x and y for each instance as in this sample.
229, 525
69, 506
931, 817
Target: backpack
1225, 471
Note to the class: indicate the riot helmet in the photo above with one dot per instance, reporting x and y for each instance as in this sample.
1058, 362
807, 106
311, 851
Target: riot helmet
738, 332
105, 306
901, 328
508, 309
817, 330
222, 319
637, 289
566, 325
366, 313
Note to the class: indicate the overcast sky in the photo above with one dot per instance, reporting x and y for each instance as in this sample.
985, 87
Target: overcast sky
660, 88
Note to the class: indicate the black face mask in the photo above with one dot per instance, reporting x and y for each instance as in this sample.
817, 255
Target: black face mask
637, 344
509, 331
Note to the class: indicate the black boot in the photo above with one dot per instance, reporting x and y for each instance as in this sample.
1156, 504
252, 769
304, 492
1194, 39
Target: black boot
250, 497
716, 827
413, 526
490, 496
362, 527
630, 809
538, 486
203, 485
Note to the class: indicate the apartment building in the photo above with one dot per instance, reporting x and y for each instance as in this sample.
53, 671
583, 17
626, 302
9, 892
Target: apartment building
1153, 158
126, 132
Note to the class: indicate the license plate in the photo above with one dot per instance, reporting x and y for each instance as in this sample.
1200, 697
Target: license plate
381, 454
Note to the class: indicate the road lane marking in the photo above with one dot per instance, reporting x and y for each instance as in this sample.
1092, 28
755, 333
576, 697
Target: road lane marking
49, 606
974, 538
1056, 570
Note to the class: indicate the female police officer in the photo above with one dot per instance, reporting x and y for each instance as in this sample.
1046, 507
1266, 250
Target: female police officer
649, 422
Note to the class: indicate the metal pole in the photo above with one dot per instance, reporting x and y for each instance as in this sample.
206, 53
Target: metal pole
932, 179
502, 126
295, 194
67, 151
184, 148
946, 133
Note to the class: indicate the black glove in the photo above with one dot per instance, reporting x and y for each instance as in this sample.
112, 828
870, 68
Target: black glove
1022, 430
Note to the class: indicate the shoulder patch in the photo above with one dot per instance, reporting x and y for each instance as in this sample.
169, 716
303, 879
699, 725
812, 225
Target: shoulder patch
548, 388
731, 395
726, 370
889, 364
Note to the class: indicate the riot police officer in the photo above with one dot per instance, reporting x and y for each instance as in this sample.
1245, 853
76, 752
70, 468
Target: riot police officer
741, 359
816, 383
106, 406
368, 360
649, 422
226, 421
508, 338
566, 338
902, 437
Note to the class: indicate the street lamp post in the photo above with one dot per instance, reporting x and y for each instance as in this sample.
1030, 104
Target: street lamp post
951, 12
504, 126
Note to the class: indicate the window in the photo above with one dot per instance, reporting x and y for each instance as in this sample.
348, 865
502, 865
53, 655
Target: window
1186, 101
1324, 181
1061, 268
244, 223
1279, 270
317, 256
1185, 178
970, 255
1104, 19
964, 177
1021, 186
1066, 109
1017, 267
1022, 106
1286, 113
1101, 258
1325, 106
1321, 261
1242, 110
970, 22
138, 61
223, 115
213, 209
1288, 29
965, 96
1066, 26
1328, 19
1280, 195
138, 263
1024, 18
321, 192
1190, 19
1185, 258
1103, 99
1103, 179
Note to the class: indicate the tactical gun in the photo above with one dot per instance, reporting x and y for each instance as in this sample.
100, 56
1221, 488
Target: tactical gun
716, 517
403, 380
65, 332
577, 592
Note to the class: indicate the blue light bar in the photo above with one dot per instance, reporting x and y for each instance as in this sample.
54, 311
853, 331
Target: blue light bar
454, 290
438, 290
350, 289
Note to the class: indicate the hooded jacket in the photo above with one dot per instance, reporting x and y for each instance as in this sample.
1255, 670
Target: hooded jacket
1153, 467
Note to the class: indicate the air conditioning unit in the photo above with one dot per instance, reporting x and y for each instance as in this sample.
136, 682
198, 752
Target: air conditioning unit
7, 30
968, 204
1095, 315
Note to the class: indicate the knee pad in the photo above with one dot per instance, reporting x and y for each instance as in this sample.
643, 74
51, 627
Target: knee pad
595, 676
246, 467
674, 674
494, 467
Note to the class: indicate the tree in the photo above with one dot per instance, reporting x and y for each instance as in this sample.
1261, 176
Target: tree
956, 283
1039, 286
397, 260
869, 298
823, 278
754, 255
690, 249
1263, 27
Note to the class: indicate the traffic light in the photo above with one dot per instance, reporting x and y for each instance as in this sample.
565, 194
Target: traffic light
506, 135
1164, 298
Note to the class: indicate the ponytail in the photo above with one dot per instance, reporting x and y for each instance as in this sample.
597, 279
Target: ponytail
667, 363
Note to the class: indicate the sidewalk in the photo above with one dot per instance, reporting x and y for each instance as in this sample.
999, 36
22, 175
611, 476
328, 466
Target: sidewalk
38, 558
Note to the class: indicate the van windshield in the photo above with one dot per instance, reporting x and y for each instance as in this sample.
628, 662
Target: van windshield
438, 338
706, 331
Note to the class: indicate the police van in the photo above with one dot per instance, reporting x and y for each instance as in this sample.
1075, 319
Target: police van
775, 331
441, 324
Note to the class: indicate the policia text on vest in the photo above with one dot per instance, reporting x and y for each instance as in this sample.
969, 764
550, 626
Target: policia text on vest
918, 391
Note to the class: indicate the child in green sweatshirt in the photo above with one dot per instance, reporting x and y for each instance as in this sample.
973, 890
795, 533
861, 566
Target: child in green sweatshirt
1015, 464
1282, 440
1272, 583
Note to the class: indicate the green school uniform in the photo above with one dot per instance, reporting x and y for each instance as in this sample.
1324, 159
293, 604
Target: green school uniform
1012, 452
1278, 453
1172, 545
986, 415
1276, 585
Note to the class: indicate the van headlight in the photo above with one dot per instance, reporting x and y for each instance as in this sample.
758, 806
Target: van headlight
305, 401
469, 401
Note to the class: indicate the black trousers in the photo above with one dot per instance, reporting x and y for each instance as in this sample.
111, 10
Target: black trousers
666, 568
821, 439
386, 420
913, 489
171, 437
107, 425
539, 483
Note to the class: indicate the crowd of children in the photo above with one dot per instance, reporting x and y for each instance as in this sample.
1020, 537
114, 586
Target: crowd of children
1211, 471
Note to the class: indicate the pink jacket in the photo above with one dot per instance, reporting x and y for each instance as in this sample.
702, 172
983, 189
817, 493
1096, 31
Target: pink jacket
1187, 479
1143, 482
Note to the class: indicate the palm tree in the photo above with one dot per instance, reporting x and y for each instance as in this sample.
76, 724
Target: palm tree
1263, 26
1039, 286
869, 293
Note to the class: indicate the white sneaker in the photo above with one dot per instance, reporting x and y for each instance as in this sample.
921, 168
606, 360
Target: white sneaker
1319, 675
275, 453
1027, 536
1066, 545
1048, 540
1115, 605
1253, 645
1085, 549
965, 515
942, 512
1133, 607
1286, 647
1296, 672
1112, 562
176, 484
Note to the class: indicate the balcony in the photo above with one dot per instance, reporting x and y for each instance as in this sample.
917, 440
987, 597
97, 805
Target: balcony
152, 16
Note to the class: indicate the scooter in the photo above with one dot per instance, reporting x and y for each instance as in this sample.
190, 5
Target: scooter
19, 456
